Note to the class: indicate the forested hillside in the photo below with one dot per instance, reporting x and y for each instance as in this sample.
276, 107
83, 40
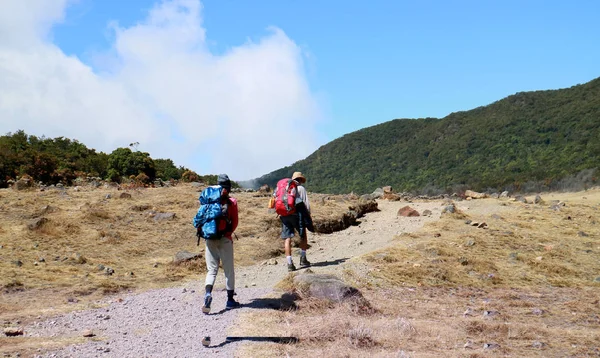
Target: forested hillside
528, 141
62, 160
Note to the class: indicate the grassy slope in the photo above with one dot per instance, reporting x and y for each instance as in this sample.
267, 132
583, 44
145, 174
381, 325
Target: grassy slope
535, 271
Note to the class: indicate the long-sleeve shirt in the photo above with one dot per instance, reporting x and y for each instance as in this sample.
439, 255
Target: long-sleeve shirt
303, 196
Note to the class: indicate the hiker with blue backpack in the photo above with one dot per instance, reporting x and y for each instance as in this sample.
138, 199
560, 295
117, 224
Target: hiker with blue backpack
293, 208
215, 221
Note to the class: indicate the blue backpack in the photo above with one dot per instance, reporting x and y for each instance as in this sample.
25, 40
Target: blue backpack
209, 214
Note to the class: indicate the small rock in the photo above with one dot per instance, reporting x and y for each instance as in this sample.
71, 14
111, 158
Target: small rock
437, 234
155, 265
538, 311
468, 222
253, 284
13, 331
37, 223
490, 313
597, 279
538, 344
482, 225
491, 345
17, 263
164, 216
449, 209
427, 212
125, 196
108, 196
582, 234
470, 242
184, 290
88, 333
100, 267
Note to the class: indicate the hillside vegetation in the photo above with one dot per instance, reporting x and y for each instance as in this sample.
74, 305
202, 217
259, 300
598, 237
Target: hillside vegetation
62, 160
530, 141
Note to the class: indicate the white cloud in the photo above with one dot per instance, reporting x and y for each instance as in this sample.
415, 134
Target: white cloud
246, 112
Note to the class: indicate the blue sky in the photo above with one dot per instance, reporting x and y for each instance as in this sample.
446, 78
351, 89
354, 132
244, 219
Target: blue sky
373, 62
367, 63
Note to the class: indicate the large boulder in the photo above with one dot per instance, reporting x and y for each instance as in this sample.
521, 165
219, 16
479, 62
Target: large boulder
326, 287
475, 195
408, 212
183, 256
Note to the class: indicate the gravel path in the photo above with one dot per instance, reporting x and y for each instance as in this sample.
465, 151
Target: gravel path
158, 323
169, 322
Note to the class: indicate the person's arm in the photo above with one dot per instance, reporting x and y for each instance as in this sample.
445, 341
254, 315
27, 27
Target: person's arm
304, 197
233, 214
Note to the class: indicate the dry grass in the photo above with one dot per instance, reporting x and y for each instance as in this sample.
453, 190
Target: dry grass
431, 322
523, 246
77, 231
454, 290
533, 269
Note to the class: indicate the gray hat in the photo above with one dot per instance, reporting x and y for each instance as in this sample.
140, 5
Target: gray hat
224, 181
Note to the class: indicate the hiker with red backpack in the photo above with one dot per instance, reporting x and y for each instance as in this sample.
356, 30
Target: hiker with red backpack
215, 221
293, 208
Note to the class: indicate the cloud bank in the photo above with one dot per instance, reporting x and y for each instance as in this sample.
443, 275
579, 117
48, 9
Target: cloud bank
245, 112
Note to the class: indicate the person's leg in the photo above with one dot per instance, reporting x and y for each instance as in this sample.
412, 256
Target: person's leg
287, 232
228, 269
299, 226
287, 246
212, 256
303, 247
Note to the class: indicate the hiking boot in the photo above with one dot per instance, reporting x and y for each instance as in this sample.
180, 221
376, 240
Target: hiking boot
207, 302
304, 262
231, 304
291, 267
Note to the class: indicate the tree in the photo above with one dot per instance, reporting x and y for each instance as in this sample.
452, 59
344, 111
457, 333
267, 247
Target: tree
124, 162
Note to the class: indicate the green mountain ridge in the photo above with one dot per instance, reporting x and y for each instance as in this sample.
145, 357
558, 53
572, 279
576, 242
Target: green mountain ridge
527, 141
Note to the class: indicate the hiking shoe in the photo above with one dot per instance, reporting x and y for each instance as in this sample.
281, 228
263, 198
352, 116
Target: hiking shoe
291, 267
304, 262
207, 302
231, 304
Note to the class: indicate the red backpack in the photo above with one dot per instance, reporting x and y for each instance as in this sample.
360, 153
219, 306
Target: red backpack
285, 197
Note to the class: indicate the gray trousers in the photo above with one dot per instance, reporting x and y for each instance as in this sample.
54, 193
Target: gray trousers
220, 250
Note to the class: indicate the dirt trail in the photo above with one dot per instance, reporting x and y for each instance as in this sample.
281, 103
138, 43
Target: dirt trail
330, 253
168, 322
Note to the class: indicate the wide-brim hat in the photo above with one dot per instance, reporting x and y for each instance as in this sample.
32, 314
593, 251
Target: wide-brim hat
299, 177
